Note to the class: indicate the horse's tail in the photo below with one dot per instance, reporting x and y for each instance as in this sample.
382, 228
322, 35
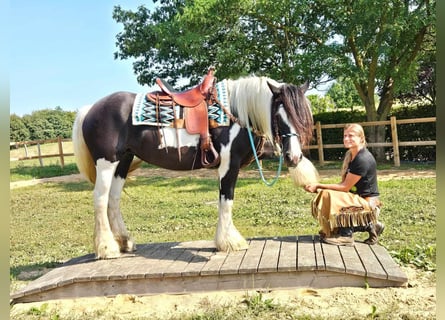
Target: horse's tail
84, 160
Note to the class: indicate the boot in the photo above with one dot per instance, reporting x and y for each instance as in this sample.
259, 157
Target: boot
343, 238
374, 231
340, 241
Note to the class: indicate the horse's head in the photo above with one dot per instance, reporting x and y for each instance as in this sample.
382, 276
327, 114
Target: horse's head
292, 120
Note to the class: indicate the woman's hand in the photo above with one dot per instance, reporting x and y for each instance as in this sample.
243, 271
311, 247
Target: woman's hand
312, 187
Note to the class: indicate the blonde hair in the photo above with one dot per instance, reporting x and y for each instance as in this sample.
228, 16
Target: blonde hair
358, 130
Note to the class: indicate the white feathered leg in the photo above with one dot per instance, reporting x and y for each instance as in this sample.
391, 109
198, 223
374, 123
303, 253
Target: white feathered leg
104, 242
117, 223
228, 237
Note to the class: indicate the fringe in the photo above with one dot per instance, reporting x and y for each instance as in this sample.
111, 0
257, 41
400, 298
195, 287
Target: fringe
352, 217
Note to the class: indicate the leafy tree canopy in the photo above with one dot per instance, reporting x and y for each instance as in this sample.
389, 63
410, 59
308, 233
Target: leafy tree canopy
41, 124
344, 95
367, 41
377, 44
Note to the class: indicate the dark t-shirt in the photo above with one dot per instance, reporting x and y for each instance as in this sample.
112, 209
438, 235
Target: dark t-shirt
364, 165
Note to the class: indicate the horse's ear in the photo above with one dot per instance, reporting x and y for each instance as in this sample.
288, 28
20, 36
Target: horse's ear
305, 86
275, 90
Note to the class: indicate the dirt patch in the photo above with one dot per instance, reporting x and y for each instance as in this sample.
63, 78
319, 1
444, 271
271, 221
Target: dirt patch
159, 172
415, 301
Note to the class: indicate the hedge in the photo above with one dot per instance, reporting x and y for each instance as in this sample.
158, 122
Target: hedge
406, 132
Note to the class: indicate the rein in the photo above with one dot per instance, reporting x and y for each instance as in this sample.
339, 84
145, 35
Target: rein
252, 144
260, 169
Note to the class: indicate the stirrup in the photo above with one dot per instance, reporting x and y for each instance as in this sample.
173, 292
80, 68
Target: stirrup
204, 157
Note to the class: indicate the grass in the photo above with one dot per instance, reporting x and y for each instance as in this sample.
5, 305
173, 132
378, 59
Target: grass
53, 223
31, 169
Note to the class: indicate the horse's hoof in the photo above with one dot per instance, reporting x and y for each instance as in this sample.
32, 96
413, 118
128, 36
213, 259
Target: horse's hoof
128, 246
243, 245
108, 252
232, 246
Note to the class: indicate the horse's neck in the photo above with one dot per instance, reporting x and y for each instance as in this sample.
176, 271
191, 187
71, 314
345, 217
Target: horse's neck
250, 99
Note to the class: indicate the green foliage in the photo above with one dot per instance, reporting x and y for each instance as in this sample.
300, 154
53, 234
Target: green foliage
376, 46
406, 132
423, 257
344, 94
42, 124
17, 129
321, 104
258, 304
416, 132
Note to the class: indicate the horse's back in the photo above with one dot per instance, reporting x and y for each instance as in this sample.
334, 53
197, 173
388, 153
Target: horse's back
106, 120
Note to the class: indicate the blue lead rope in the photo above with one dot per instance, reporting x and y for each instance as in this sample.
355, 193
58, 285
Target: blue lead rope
267, 183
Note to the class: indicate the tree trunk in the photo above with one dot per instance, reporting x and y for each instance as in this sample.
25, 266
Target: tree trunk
377, 133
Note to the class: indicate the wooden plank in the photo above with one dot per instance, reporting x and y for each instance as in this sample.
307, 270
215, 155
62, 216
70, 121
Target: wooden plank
167, 263
152, 256
269, 258
332, 258
148, 256
306, 254
395, 141
196, 266
252, 257
370, 262
214, 264
288, 254
102, 270
351, 259
232, 263
319, 257
199, 260
176, 267
389, 265
190, 251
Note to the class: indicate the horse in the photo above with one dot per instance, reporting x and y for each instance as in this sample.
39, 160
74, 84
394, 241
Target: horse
108, 147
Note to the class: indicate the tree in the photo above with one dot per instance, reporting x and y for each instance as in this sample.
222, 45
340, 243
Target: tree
41, 125
424, 89
182, 38
344, 95
321, 103
374, 43
381, 44
17, 129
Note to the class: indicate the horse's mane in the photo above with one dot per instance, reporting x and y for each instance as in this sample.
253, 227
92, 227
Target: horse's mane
298, 109
251, 99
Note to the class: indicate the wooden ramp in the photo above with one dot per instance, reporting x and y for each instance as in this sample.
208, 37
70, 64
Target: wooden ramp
185, 267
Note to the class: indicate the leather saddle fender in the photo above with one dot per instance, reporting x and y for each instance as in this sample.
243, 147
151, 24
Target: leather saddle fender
195, 101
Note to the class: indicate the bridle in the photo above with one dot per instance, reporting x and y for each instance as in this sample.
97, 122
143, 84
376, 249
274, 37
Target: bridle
278, 136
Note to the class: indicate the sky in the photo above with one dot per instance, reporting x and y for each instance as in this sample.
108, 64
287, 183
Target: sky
61, 54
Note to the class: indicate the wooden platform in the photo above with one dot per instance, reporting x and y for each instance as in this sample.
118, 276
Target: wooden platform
269, 263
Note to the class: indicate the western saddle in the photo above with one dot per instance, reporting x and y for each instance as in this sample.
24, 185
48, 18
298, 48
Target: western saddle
195, 102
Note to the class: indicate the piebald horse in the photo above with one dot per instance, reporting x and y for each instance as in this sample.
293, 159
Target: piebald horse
108, 146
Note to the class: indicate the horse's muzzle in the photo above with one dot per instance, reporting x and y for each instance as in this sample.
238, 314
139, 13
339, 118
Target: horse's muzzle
293, 160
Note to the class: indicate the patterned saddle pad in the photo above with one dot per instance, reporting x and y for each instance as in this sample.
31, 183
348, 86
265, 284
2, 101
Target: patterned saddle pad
144, 111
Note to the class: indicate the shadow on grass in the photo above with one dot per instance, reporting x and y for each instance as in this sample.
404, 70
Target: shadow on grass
22, 172
32, 271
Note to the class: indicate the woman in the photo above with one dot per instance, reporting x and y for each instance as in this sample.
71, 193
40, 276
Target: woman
353, 204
